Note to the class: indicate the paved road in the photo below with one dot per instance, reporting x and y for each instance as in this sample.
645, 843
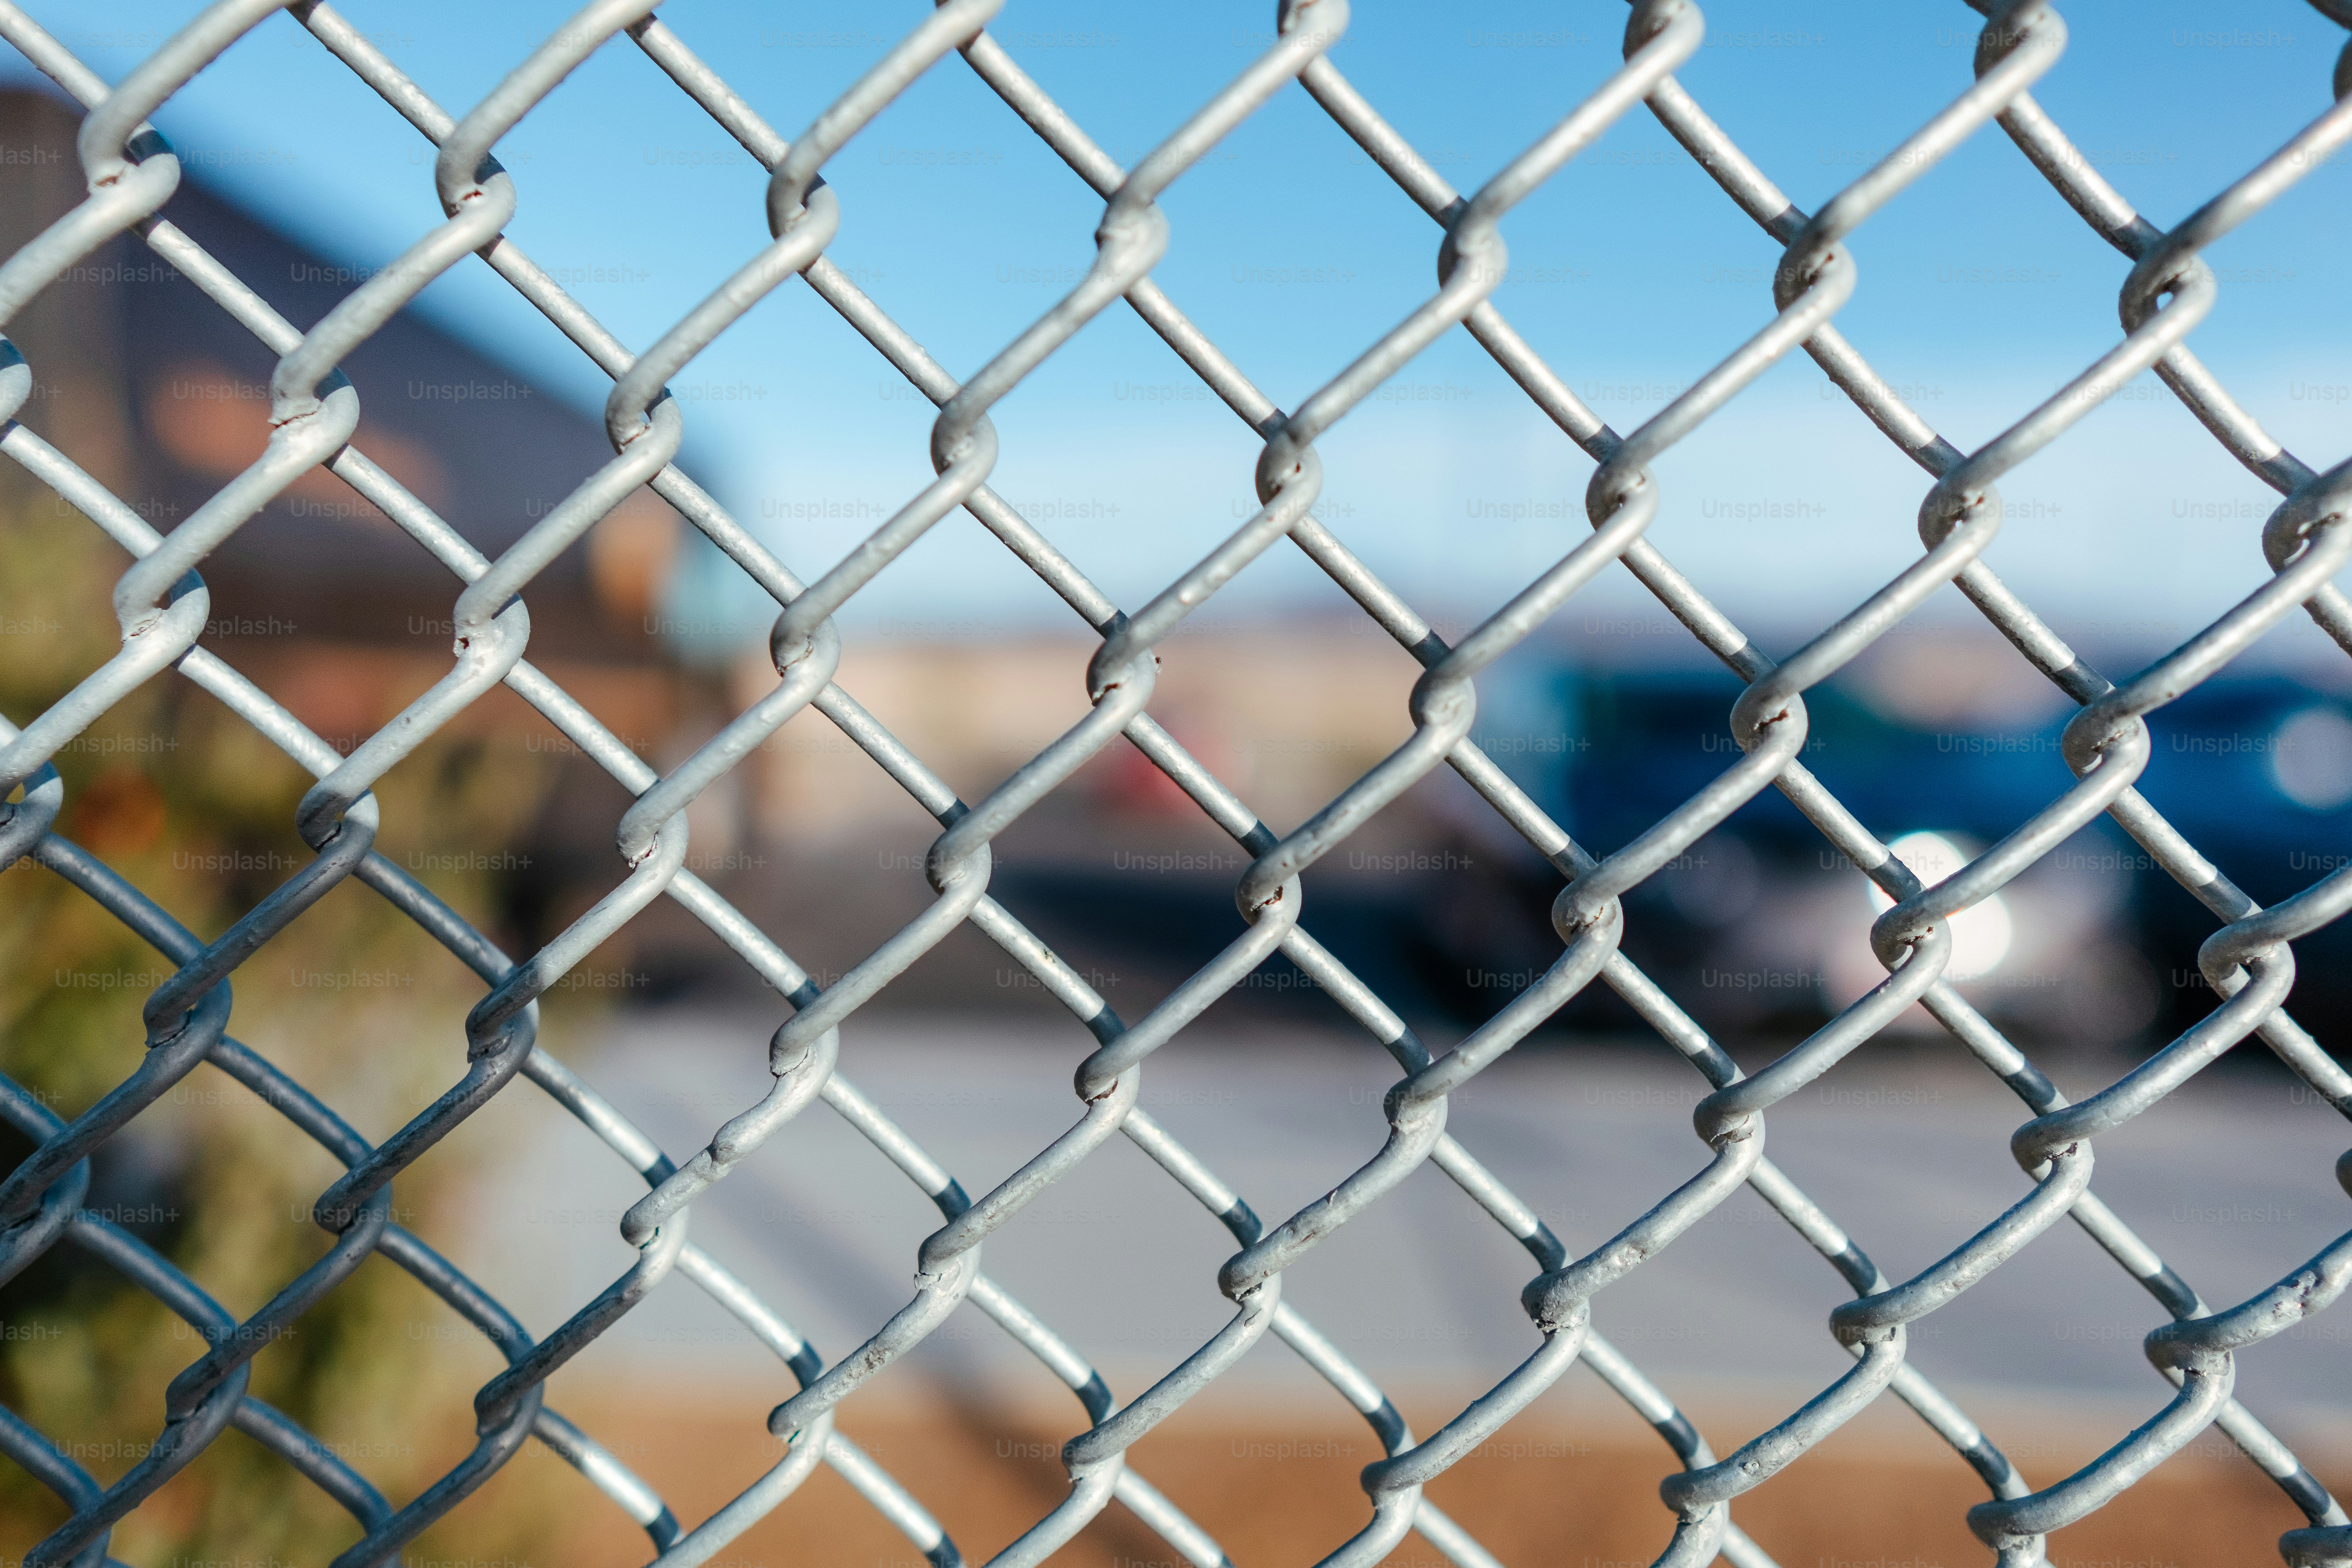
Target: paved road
1906, 1146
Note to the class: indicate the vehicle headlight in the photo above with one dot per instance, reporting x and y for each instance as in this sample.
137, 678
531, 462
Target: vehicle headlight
2311, 758
1982, 932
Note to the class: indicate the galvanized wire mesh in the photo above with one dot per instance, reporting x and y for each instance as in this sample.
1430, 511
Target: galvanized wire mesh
162, 604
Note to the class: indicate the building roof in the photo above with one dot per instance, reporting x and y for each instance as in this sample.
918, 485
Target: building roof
164, 396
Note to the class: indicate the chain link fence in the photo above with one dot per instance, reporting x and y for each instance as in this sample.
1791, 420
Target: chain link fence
162, 604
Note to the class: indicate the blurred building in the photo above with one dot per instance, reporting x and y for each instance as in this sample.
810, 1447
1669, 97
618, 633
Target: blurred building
163, 396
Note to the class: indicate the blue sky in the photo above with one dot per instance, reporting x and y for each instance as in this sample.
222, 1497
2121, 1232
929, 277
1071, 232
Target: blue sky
1643, 275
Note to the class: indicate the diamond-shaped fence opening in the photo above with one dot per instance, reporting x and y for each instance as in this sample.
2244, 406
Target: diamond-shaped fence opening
317, 431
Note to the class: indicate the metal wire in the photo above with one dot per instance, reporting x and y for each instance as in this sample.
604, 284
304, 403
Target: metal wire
162, 603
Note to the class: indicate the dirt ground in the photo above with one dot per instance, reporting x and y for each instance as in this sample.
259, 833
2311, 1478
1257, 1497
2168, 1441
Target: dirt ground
1880, 1494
